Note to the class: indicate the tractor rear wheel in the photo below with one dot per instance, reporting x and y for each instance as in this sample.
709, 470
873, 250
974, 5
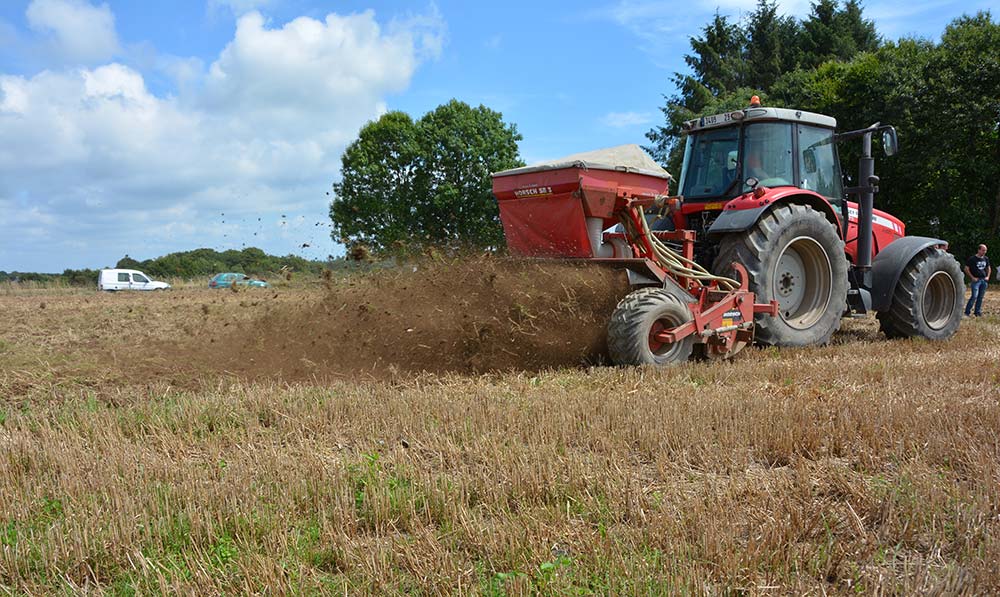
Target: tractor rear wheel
635, 322
794, 256
927, 301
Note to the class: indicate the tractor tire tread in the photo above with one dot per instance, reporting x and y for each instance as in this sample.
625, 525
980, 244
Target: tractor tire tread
756, 247
904, 318
628, 327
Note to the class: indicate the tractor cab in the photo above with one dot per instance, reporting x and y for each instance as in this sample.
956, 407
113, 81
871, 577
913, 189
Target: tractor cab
726, 155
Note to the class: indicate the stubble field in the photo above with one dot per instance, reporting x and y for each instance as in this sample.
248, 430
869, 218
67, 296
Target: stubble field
453, 430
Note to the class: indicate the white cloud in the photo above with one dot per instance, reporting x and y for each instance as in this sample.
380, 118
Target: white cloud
77, 31
627, 119
91, 152
342, 62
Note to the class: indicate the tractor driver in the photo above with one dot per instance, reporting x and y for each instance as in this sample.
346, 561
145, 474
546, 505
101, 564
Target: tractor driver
764, 161
754, 166
753, 161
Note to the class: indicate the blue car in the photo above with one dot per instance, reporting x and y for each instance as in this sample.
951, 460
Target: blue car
230, 279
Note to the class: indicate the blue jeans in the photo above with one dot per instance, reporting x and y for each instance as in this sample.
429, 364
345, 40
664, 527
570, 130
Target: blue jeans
978, 290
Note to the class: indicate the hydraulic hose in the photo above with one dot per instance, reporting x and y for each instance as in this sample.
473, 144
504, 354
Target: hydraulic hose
669, 260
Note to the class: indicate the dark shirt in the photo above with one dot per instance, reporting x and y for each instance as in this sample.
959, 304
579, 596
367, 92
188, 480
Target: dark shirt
978, 265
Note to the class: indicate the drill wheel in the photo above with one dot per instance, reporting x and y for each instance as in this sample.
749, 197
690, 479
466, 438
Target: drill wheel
636, 321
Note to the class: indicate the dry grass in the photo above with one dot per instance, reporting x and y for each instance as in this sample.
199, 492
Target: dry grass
867, 466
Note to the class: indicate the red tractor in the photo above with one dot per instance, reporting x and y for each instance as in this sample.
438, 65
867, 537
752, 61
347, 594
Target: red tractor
758, 244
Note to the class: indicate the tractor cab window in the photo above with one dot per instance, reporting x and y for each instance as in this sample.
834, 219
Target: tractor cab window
819, 169
767, 154
717, 162
710, 163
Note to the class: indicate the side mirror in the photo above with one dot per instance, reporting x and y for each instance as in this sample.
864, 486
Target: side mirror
731, 160
889, 141
809, 160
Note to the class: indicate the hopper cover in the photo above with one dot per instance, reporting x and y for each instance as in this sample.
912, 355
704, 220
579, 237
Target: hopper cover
623, 158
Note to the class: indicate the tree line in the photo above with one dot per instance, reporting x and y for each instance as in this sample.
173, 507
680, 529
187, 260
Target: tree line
187, 264
207, 262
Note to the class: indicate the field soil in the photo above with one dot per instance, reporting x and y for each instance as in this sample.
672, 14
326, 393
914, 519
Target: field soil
452, 317
452, 427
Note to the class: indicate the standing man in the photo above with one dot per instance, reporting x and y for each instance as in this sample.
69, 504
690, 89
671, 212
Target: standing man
978, 268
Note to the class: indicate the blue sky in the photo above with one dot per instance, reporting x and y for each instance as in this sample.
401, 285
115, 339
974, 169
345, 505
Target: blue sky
151, 127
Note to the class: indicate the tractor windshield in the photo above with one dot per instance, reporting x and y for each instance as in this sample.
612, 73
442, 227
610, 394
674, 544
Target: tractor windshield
718, 161
767, 154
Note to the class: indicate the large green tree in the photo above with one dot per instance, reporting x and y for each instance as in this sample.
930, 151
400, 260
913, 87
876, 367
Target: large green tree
770, 45
373, 201
424, 182
717, 59
833, 32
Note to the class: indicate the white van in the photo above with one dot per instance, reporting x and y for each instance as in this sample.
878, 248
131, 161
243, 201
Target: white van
127, 279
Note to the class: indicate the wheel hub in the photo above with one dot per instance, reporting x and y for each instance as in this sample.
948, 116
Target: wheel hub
790, 281
657, 346
803, 281
939, 300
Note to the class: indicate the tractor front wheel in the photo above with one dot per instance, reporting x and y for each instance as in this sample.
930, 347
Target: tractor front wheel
927, 301
638, 318
793, 255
